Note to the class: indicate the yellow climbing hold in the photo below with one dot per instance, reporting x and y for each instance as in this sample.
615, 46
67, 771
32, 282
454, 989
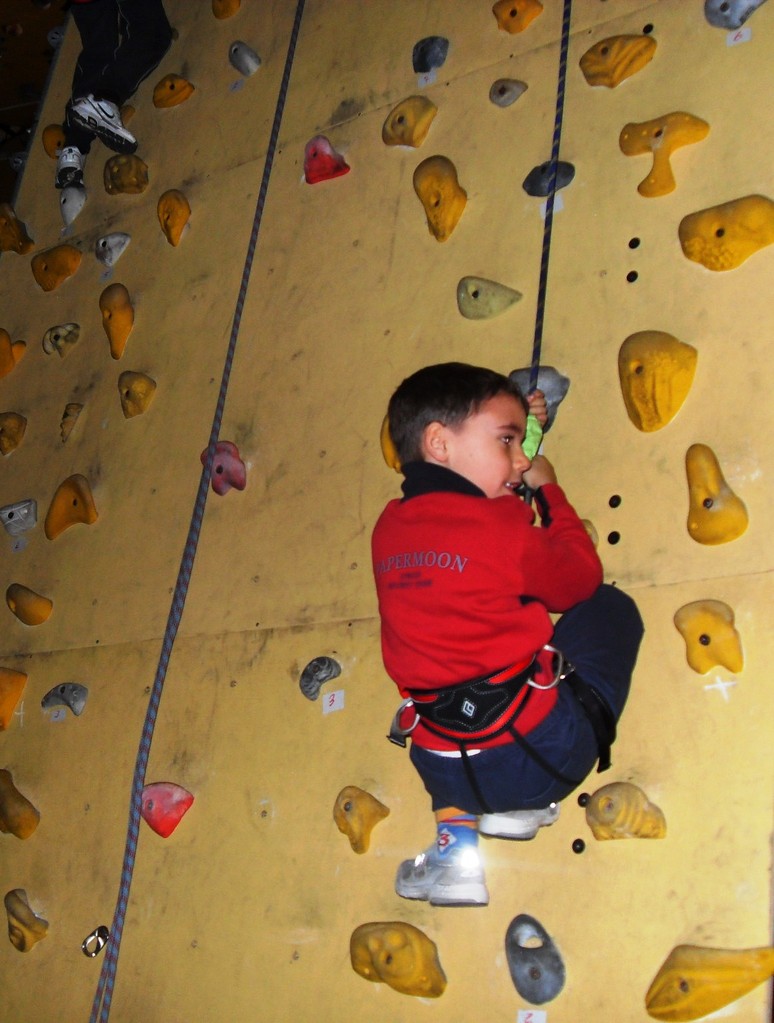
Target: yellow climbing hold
30, 608
171, 91
711, 641
12, 685
400, 955
136, 391
660, 137
723, 237
125, 175
408, 123
53, 267
515, 15
622, 810
441, 195
25, 929
17, 814
10, 352
656, 372
610, 61
174, 212
117, 317
389, 451
716, 515
356, 813
72, 503
12, 427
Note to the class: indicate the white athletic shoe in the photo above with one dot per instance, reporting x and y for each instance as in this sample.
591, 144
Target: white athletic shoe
519, 824
456, 879
69, 168
104, 119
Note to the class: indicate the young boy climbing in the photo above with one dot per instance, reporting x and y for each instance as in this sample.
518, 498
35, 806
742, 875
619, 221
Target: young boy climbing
507, 713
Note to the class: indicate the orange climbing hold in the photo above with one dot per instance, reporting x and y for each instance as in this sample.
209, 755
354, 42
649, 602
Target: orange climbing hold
171, 91
356, 813
12, 685
72, 503
723, 237
661, 137
53, 267
711, 641
610, 61
53, 140
12, 427
136, 391
441, 195
400, 955
408, 123
125, 175
69, 418
30, 608
716, 515
174, 212
225, 8
117, 317
515, 15
10, 352
389, 451
17, 814
25, 929
693, 981
13, 233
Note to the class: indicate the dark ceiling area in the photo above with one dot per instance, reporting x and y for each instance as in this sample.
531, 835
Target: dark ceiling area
26, 55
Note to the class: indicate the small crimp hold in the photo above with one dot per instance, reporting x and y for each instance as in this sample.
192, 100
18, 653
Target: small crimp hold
228, 469
69, 418
610, 61
110, 247
408, 123
164, 804
505, 91
537, 969
711, 641
17, 814
68, 694
538, 181
174, 212
316, 674
20, 516
429, 53
622, 810
72, 503
61, 338
322, 162
515, 15
480, 299
136, 391
441, 195
10, 352
356, 813
715, 515
12, 685
243, 58
30, 608
13, 233
400, 955
125, 175
25, 929
12, 427
53, 267
171, 91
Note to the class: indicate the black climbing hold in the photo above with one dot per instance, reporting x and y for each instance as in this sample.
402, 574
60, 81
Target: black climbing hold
578, 845
429, 53
536, 969
316, 674
550, 381
583, 799
538, 180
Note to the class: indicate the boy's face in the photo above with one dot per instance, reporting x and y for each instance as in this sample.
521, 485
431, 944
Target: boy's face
486, 447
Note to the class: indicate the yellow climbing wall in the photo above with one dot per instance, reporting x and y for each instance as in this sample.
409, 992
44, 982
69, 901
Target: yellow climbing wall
245, 912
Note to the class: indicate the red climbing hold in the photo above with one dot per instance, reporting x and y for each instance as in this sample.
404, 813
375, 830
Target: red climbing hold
228, 469
164, 805
322, 162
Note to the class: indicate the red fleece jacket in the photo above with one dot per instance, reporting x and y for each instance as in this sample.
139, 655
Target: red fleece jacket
466, 583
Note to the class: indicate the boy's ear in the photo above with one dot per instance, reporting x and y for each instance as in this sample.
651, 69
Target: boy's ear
434, 443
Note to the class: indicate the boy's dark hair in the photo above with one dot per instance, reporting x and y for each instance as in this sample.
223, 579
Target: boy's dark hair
447, 393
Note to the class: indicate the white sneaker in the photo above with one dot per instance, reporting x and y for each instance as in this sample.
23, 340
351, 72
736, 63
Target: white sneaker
104, 119
453, 880
69, 168
519, 824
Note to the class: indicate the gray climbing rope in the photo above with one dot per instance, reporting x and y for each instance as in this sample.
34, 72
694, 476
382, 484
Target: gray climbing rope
100, 1011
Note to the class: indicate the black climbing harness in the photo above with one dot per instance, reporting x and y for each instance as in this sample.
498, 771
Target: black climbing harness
473, 713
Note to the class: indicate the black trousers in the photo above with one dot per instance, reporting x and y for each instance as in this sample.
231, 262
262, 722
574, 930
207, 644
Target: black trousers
122, 42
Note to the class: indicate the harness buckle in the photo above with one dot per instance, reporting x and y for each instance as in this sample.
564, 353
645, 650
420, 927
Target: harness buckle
561, 669
398, 732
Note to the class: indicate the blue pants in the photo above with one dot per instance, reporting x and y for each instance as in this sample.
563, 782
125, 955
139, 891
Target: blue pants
600, 637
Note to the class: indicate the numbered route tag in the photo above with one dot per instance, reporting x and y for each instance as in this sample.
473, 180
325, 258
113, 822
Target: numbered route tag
333, 701
742, 35
531, 1016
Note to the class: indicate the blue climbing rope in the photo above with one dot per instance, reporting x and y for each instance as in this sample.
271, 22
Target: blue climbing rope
549, 220
100, 1011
